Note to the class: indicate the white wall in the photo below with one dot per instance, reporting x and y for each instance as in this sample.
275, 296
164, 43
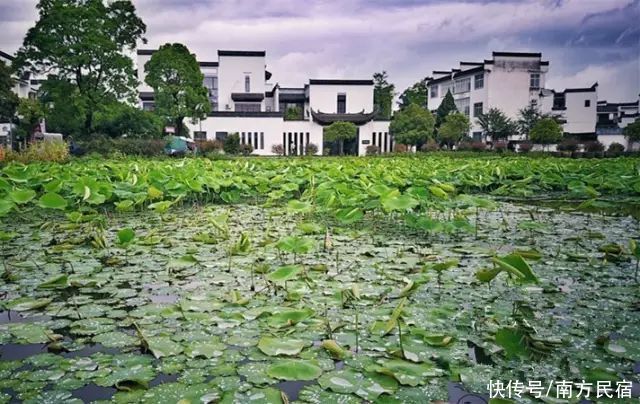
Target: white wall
381, 131
580, 119
324, 98
606, 140
231, 78
140, 62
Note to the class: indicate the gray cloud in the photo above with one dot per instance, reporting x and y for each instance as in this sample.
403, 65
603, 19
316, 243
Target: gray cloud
585, 40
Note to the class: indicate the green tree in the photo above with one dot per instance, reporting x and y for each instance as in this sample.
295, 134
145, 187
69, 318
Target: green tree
85, 42
446, 107
231, 144
177, 82
8, 99
339, 132
293, 113
632, 132
412, 126
416, 94
527, 119
63, 106
455, 127
546, 131
383, 93
496, 124
119, 119
29, 115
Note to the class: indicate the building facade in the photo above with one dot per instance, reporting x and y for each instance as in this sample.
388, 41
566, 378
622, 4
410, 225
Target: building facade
613, 118
265, 115
511, 81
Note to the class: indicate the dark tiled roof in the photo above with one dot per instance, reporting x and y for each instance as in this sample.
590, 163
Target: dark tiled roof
518, 54
248, 114
292, 97
146, 95
341, 82
208, 64
458, 74
357, 118
252, 97
6, 55
147, 52
241, 53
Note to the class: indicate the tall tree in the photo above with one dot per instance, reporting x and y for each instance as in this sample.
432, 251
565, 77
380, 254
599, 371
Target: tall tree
412, 125
527, 119
416, 94
632, 132
177, 82
447, 106
63, 107
455, 127
85, 42
8, 99
383, 93
546, 131
496, 124
339, 132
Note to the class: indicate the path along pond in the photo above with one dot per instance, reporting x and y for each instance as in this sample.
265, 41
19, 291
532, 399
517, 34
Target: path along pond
245, 304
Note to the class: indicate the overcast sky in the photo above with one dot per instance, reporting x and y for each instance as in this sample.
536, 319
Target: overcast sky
584, 40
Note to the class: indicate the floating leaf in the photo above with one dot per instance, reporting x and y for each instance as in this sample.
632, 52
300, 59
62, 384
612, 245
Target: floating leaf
285, 273
408, 373
294, 370
349, 215
22, 196
289, 317
56, 282
125, 236
52, 200
274, 346
27, 303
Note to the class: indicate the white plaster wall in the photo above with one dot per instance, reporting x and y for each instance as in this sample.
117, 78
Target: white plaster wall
315, 132
580, 119
367, 131
325, 97
141, 60
607, 140
509, 90
626, 121
231, 74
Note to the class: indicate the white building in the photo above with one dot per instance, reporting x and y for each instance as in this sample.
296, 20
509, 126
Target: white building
244, 102
511, 81
613, 118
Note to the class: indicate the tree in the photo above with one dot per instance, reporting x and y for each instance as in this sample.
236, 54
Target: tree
177, 82
339, 132
383, 93
447, 106
546, 131
119, 119
29, 114
527, 118
416, 94
293, 113
85, 42
8, 99
231, 144
496, 124
413, 125
632, 132
64, 109
455, 127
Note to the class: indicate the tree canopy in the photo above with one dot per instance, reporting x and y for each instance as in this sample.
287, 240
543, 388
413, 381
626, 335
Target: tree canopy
64, 108
455, 127
447, 106
496, 124
85, 42
416, 94
412, 126
383, 93
177, 82
118, 119
632, 131
8, 100
339, 132
546, 131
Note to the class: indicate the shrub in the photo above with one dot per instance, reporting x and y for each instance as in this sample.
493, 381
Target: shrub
400, 148
209, 146
232, 144
593, 147
277, 149
311, 149
615, 149
478, 146
465, 146
569, 145
430, 146
372, 150
500, 146
246, 149
120, 119
132, 147
54, 151
525, 147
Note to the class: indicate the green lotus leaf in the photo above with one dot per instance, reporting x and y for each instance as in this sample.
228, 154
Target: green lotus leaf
29, 333
205, 349
93, 326
22, 196
407, 373
52, 200
285, 273
116, 339
294, 370
295, 244
274, 346
56, 282
289, 317
368, 386
163, 346
27, 303
349, 215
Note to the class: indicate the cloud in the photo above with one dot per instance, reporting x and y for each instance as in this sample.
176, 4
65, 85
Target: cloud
408, 38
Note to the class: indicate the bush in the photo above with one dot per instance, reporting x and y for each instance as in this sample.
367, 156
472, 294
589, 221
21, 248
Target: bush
465, 146
232, 144
478, 146
500, 146
615, 149
311, 149
246, 149
277, 149
120, 119
525, 147
430, 146
400, 148
569, 145
209, 146
54, 151
593, 147
132, 147
372, 150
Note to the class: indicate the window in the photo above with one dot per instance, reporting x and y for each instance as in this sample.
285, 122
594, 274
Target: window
477, 136
587, 103
342, 103
434, 91
247, 84
463, 105
148, 106
199, 135
247, 106
477, 109
534, 81
463, 85
262, 140
534, 103
221, 135
447, 88
478, 81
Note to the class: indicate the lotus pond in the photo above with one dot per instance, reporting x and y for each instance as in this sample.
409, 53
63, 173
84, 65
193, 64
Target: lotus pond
389, 280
